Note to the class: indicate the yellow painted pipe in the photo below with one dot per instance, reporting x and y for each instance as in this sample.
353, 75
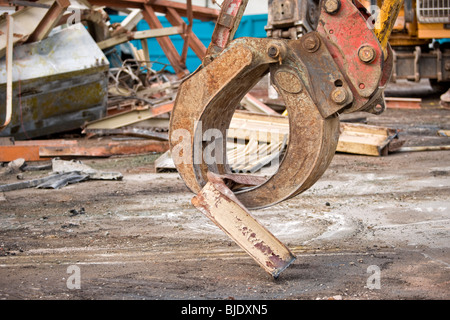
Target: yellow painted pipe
386, 20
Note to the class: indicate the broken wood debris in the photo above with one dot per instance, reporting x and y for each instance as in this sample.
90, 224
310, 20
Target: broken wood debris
255, 140
368, 140
354, 138
130, 117
139, 35
32, 23
128, 131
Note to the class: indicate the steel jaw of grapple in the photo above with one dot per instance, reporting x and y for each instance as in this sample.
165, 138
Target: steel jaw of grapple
208, 99
306, 77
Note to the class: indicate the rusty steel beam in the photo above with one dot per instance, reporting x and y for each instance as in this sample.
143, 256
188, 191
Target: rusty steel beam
194, 42
173, 11
161, 6
11, 153
187, 35
165, 43
220, 205
49, 21
111, 149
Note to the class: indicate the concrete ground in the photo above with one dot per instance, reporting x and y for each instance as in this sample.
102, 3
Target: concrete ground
370, 228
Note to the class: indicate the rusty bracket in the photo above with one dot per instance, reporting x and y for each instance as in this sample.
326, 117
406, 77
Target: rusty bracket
227, 23
220, 205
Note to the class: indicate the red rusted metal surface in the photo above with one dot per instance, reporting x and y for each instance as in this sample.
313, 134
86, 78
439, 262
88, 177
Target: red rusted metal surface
348, 38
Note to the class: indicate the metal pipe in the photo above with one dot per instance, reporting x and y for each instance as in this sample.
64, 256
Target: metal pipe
385, 22
424, 148
9, 58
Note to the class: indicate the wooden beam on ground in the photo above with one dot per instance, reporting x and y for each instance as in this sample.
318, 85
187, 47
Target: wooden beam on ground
354, 138
367, 140
112, 149
46, 143
263, 128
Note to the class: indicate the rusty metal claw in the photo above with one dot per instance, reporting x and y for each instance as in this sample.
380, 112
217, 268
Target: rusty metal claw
207, 101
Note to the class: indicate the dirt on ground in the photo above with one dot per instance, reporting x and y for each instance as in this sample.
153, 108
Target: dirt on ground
370, 228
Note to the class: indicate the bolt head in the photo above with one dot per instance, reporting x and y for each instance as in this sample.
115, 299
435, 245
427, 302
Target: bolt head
332, 6
339, 95
311, 43
273, 52
367, 54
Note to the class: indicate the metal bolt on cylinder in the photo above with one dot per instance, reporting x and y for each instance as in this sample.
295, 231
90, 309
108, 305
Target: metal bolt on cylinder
366, 54
332, 6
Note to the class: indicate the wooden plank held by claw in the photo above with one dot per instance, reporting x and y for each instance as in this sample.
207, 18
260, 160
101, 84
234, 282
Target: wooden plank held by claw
220, 204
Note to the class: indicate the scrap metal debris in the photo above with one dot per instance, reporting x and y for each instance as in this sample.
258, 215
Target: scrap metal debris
63, 173
70, 84
54, 181
63, 166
